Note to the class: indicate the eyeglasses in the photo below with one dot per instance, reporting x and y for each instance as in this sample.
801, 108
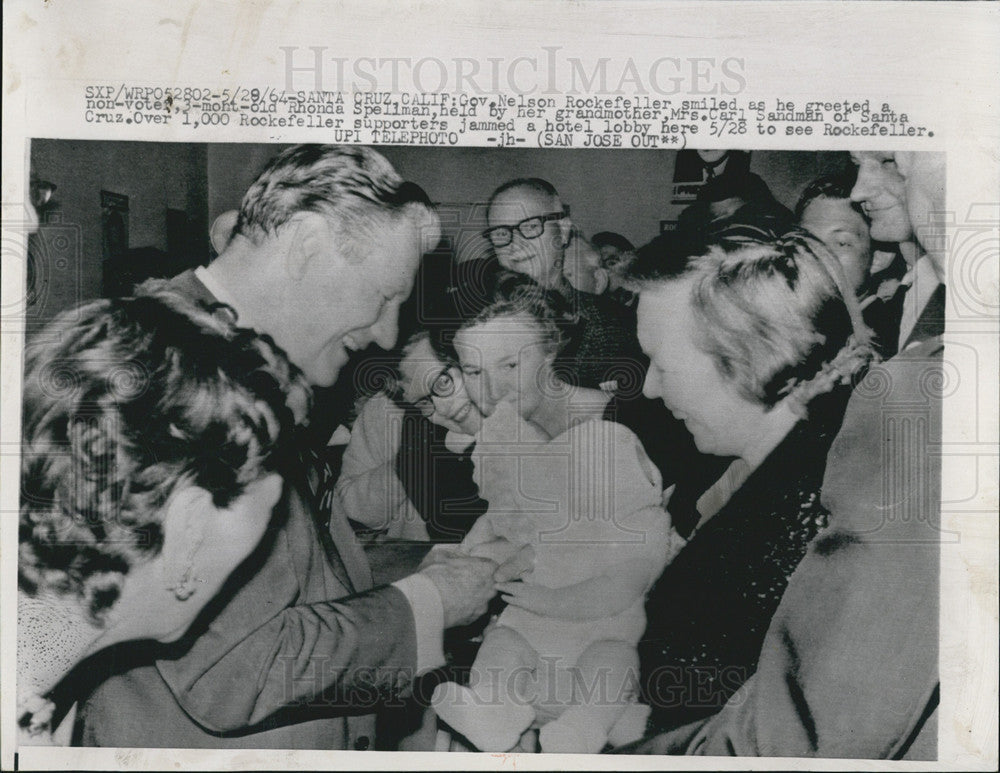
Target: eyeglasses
529, 228
443, 385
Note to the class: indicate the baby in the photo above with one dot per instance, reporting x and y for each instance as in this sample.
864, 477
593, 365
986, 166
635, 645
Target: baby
562, 654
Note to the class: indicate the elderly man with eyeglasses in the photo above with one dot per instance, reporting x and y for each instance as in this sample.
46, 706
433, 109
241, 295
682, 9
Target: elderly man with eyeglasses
532, 234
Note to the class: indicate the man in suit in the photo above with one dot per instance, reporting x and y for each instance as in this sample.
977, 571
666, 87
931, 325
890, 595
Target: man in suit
298, 649
899, 192
848, 667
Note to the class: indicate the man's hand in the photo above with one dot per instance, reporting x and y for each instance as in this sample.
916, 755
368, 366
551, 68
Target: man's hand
465, 584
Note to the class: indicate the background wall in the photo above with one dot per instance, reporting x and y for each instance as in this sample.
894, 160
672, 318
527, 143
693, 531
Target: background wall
154, 176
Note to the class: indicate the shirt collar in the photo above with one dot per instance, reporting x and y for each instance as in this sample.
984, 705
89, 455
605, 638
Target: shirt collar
216, 288
923, 281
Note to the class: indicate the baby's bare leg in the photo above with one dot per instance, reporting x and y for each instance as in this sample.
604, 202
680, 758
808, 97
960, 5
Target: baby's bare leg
492, 712
604, 684
503, 665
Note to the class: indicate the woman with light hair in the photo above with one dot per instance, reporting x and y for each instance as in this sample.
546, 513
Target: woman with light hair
754, 345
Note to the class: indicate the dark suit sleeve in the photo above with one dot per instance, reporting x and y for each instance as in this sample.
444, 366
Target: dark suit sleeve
347, 655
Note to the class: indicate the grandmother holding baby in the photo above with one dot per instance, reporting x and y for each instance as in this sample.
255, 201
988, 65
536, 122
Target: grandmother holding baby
753, 345
564, 478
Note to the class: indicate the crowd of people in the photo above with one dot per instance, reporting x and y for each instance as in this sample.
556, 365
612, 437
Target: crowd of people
576, 496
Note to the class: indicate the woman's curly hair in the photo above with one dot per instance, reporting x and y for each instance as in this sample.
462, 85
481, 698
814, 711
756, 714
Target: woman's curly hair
124, 401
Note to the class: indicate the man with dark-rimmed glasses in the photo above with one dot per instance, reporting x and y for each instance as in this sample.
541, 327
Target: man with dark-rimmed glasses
531, 233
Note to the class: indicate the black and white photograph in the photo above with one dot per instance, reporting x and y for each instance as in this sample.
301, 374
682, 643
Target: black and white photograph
397, 453
471, 386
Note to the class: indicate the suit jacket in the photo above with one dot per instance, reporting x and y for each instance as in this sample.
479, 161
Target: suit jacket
295, 652
849, 667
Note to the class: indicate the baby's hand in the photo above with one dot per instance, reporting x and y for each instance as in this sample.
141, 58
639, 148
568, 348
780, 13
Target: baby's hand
515, 568
497, 454
530, 596
499, 550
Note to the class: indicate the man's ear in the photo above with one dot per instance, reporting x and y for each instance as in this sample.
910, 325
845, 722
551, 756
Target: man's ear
601, 280
222, 230
310, 237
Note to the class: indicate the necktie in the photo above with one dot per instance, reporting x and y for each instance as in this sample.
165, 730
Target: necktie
342, 548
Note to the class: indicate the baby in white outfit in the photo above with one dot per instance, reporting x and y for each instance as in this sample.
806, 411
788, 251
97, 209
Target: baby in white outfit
562, 654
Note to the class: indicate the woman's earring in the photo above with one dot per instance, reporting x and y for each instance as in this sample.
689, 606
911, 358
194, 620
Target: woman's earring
185, 587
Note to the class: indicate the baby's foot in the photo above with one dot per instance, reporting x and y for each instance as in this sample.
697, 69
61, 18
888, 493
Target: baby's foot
490, 727
631, 725
572, 736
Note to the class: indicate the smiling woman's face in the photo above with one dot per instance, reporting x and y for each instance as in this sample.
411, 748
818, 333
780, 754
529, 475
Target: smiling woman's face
505, 359
686, 378
454, 410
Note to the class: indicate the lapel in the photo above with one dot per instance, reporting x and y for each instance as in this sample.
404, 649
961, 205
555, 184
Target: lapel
349, 551
343, 551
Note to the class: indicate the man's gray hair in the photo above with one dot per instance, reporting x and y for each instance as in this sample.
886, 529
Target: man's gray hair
353, 185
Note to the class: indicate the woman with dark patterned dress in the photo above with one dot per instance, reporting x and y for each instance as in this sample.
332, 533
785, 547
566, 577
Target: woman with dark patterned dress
753, 344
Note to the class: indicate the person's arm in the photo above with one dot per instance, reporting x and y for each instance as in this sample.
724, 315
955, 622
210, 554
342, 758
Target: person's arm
368, 490
268, 650
346, 654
